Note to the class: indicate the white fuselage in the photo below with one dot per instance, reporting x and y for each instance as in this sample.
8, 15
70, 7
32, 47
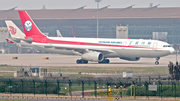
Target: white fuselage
118, 47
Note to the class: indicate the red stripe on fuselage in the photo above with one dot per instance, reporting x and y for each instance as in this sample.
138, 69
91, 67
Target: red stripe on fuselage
51, 41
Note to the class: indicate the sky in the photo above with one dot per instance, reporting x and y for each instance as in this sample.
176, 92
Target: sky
73, 4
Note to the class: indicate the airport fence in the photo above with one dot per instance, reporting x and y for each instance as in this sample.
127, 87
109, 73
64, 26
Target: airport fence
159, 87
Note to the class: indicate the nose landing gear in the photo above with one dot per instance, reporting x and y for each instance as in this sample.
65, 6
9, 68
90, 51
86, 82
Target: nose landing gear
157, 61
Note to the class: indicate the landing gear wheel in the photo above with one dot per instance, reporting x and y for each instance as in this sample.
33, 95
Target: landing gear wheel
104, 61
78, 61
157, 63
81, 61
84, 61
107, 61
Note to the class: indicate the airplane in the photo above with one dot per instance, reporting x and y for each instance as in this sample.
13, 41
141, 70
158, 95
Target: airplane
94, 49
58, 33
15, 32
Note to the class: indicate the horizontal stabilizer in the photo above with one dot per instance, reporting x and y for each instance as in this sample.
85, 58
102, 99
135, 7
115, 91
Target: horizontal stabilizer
18, 40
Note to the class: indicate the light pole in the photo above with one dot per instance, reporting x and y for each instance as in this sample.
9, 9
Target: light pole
97, 15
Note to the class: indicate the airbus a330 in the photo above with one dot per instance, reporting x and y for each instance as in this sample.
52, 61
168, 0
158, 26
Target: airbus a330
93, 49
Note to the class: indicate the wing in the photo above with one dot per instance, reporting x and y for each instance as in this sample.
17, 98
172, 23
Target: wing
78, 49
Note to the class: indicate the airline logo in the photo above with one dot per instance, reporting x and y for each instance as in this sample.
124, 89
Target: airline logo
28, 25
12, 30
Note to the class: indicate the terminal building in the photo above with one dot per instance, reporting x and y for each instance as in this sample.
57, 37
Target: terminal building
138, 23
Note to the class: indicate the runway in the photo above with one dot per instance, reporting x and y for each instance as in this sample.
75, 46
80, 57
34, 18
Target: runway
62, 60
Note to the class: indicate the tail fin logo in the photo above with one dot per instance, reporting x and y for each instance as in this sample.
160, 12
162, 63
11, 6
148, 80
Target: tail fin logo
28, 25
12, 30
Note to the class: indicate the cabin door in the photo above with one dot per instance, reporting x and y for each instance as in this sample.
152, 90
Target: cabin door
155, 45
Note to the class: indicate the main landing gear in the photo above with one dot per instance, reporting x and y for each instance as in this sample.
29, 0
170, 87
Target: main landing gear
104, 61
81, 61
157, 61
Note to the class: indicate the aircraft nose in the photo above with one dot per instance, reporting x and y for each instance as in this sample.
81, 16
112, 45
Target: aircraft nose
172, 50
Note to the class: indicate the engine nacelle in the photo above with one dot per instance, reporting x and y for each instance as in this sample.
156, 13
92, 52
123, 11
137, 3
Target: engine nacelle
93, 56
130, 58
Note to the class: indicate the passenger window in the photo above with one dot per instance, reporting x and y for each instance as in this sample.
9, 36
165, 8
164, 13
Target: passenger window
142, 43
149, 43
130, 42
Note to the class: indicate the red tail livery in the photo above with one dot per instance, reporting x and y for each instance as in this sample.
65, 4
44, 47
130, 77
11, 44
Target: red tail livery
29, 26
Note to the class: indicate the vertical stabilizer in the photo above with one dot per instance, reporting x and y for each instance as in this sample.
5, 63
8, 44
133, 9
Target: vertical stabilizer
30, 28
14, 31
58, 33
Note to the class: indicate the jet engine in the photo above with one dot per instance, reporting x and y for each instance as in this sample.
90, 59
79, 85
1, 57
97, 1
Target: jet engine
130, 58
93, 56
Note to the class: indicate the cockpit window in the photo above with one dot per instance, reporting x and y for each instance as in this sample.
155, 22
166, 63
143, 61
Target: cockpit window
166, 46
